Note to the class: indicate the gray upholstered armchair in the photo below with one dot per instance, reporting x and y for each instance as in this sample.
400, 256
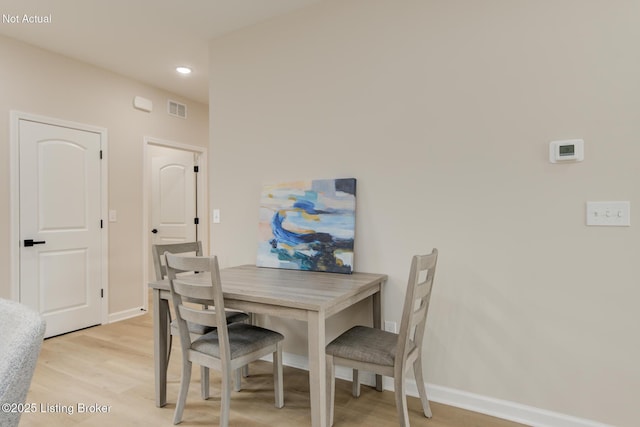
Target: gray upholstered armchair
21, 334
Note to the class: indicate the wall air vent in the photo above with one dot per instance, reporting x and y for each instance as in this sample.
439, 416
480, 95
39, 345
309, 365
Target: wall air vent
176, 109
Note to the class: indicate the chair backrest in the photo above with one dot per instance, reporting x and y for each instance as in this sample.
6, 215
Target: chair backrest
21, 334
183, 291
174, 248
416, 303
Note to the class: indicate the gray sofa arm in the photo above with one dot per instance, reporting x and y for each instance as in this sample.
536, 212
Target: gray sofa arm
21, 334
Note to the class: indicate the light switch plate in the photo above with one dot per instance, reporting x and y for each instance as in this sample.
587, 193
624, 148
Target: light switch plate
609, 214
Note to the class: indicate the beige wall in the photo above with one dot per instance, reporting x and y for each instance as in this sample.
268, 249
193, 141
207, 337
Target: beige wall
443, 111
43, 83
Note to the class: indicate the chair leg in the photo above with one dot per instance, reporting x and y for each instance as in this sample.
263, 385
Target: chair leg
204, 382
355, 384
278, 386
417, 370
331, 388
245, 368
225, 397
237, 381
170, 340
184, 388
401, 400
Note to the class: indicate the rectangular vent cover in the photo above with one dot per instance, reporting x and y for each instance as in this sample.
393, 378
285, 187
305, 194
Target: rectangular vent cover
176, 109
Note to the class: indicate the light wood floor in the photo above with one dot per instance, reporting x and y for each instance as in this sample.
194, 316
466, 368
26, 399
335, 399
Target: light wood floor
112, 366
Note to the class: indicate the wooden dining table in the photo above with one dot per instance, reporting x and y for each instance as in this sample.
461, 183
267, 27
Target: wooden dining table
292, 294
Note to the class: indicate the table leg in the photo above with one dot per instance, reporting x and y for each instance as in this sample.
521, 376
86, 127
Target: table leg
160, 341
317, 369
377, 323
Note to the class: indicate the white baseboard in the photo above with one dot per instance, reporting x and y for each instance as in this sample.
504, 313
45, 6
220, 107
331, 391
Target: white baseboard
126, 314
504, 409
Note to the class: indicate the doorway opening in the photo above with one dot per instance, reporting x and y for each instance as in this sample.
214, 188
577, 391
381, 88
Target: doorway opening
174, 199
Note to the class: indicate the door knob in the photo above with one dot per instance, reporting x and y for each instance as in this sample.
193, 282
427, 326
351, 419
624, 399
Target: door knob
154, 231
30, 242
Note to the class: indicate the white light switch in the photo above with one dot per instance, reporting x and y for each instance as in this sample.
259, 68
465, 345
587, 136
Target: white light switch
113, 215
610, 214
216, 216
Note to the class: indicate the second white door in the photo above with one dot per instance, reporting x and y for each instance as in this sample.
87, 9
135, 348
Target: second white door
173, 197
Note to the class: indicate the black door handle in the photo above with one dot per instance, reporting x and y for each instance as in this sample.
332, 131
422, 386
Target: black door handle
31, 242
154, 231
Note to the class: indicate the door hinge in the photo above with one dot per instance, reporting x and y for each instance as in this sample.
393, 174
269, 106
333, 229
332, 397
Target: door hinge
101, 293
100, 154
196, 221
196, 169
101, 224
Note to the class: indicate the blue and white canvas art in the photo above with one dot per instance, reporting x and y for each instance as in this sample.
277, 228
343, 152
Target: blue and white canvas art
308, 225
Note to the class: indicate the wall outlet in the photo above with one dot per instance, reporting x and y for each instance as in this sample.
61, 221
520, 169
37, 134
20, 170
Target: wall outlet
390, 326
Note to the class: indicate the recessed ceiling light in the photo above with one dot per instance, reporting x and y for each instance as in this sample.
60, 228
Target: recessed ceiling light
183, 70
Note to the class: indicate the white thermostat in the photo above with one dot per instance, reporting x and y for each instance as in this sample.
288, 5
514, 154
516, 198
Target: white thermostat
567, 150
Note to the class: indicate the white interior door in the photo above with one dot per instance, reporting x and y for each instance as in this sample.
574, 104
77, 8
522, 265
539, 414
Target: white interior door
60, 197
173, 197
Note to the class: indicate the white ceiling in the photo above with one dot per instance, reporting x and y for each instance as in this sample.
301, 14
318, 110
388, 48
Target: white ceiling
141, 39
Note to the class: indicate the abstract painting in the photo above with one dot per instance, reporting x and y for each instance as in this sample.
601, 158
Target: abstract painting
308, 225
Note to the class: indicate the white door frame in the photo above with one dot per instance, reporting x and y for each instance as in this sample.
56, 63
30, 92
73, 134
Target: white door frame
14, 189
202, 213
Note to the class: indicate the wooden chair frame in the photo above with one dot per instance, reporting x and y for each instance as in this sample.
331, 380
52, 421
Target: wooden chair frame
161, 273
408, 350
180, 290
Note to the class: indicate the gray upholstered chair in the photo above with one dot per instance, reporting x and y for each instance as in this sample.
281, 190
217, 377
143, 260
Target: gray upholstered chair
228, 347
190, 248
21, 335
386, 353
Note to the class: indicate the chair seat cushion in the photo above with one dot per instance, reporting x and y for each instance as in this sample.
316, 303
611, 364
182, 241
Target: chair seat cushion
235, 316
194, 328
365, 344
243, 339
